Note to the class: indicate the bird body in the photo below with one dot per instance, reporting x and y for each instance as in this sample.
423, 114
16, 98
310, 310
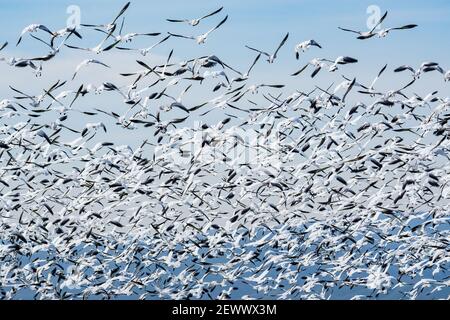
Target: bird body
305, 45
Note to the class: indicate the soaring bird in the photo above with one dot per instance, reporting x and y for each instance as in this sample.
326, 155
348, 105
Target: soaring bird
201, 38
87, 62
271, 57
424, 67
111, 26
367, 34
194, 22
384, 32
31, 29
305, 45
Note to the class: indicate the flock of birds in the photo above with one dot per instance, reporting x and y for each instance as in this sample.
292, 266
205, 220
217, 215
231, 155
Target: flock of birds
338, 200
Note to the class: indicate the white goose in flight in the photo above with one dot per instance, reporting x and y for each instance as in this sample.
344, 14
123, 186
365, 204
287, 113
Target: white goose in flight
271, 57
194, 22
64, 32
31, 29
201, 38
305, 45
424, 67
87, 62
366, 34
145, 51
110, 27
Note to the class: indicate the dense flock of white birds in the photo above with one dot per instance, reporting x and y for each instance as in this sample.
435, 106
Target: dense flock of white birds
307, 195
